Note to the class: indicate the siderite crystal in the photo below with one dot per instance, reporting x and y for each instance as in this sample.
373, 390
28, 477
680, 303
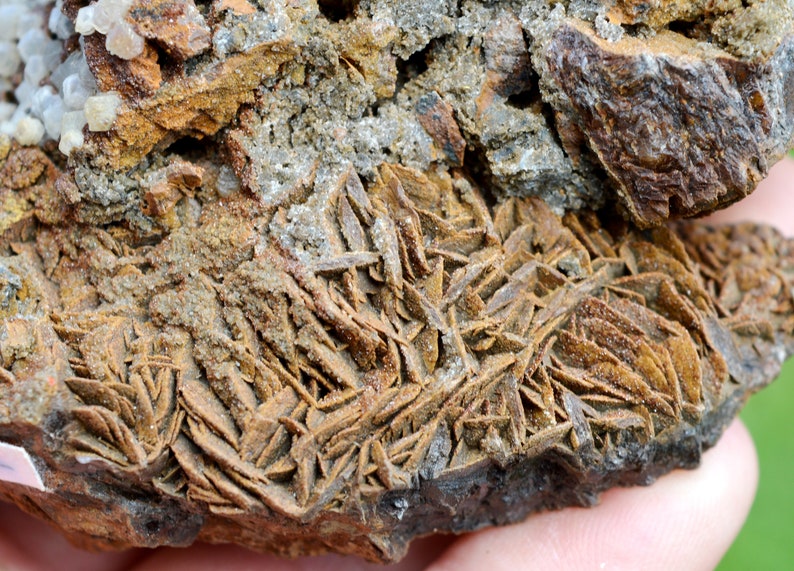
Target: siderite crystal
334, 276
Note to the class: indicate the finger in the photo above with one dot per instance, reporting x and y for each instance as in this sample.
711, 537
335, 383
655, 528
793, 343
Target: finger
230, 558
686, 520
29, 544
771, 203
14, 559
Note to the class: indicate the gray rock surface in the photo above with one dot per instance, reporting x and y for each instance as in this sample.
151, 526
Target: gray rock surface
670, 109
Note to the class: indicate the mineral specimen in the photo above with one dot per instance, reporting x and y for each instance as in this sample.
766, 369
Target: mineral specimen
331, 276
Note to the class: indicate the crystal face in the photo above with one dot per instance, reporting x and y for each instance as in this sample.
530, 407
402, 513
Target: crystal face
328, 278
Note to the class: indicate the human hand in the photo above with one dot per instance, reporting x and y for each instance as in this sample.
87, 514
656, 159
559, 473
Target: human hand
685, 521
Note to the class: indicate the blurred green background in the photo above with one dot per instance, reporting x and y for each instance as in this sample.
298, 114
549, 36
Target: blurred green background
767, 540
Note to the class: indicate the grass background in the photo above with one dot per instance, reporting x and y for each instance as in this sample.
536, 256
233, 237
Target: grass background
767, 540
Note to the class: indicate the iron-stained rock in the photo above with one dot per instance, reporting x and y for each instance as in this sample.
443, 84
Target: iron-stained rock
366, 366
343, 274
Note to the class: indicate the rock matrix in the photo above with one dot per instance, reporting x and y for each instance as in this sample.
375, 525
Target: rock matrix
331, 276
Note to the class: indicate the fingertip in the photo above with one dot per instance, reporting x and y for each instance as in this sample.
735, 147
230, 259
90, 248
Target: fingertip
29, 544
768, 204
738, 447
205, 557
719, 495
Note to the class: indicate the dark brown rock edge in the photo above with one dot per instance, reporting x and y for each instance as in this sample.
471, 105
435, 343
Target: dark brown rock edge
368, 365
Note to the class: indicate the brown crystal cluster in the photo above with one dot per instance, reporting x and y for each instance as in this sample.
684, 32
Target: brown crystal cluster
378, 294
413, 354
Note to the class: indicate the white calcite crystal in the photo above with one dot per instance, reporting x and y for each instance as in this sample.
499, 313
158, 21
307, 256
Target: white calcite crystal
33, 42
75, 92
9, 18
41, 100
9, 59
52, 116
100, 111
47, 89
70, 141
123, 42
84, 24
29, 131
59, 24
109, 13
36, 70
72, 131
6, 111
108, 17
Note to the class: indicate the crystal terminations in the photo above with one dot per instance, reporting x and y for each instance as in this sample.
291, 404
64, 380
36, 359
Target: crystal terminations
354, 312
